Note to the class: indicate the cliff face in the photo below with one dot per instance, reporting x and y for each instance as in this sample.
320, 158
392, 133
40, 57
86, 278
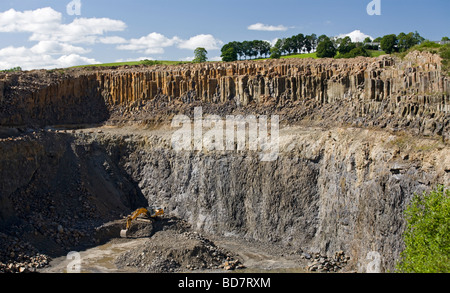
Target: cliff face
330, 190
381, 92
43, 98
333, 187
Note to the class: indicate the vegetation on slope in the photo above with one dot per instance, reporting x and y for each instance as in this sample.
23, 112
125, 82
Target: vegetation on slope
427, 235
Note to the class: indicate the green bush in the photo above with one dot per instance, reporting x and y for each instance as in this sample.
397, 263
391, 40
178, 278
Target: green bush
444, 52
150, 62
427, 235
14, 69
359, 51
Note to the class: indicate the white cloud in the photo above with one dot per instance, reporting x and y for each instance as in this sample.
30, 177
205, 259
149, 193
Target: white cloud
273, 42
73, 60
268, 28
28, 59
204, 41
112, 40
81, 30
43, 19
216, 58
53, 47
134, 59
153, 43
45, 24
356, 36
187, 58
55, 40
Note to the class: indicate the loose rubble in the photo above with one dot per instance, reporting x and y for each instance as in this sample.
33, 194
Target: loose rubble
17, 256
171, 251
323, 264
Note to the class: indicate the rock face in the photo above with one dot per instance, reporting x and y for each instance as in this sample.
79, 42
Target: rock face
334, 187
333, 190
384, 91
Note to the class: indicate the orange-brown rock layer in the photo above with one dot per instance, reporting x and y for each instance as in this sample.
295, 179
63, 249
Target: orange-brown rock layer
379, 91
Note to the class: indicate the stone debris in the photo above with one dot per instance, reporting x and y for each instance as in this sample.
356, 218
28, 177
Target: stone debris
17, 256
172, 251
231, 265
324, 264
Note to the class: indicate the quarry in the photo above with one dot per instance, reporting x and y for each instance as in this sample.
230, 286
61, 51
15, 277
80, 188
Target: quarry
83, 148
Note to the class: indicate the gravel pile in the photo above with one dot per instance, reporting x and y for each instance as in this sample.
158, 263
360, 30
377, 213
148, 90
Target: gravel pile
171, 251
17, 256
324, 264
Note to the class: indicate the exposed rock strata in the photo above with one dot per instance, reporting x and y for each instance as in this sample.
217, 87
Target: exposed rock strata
331, 189
384, 92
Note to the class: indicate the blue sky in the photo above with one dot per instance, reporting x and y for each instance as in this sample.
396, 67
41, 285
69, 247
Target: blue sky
41, 34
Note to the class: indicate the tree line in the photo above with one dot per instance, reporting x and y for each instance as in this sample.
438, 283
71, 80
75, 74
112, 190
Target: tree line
252, 49
324, 46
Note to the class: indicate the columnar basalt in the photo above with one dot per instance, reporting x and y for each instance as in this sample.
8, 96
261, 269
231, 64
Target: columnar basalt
410, 93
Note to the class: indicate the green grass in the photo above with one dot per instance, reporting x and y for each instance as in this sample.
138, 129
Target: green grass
373, 53
133, 63
301, 56
376, 53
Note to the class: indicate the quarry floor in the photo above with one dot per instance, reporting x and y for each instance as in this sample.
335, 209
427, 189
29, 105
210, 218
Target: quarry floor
256, 257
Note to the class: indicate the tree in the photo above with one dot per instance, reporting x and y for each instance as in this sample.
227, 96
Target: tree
377, 40
389, 43
445, 39
444, 52
299, 43
229, 54
310, 41
246, 49
200, 55
279, 47
407, 41
289, 45
321, 38
346, 45
427, 233
358, 51
263, 48
313, 38
275, 53
326, 49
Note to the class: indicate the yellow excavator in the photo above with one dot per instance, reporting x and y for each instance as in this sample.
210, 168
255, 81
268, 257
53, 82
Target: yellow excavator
150, 212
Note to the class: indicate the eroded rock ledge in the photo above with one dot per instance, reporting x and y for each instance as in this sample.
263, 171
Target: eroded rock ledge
386, 92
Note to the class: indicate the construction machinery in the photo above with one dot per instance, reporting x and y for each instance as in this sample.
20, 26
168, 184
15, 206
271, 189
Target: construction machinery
150, 212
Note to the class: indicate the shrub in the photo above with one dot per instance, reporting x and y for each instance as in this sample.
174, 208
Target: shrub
326, 49
427, 235
444, 52
150, 62
359, 51
14, 69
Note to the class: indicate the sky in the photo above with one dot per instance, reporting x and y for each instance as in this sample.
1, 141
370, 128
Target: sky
60, 33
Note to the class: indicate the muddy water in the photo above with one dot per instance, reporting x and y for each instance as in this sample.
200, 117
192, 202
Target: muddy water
101, 259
